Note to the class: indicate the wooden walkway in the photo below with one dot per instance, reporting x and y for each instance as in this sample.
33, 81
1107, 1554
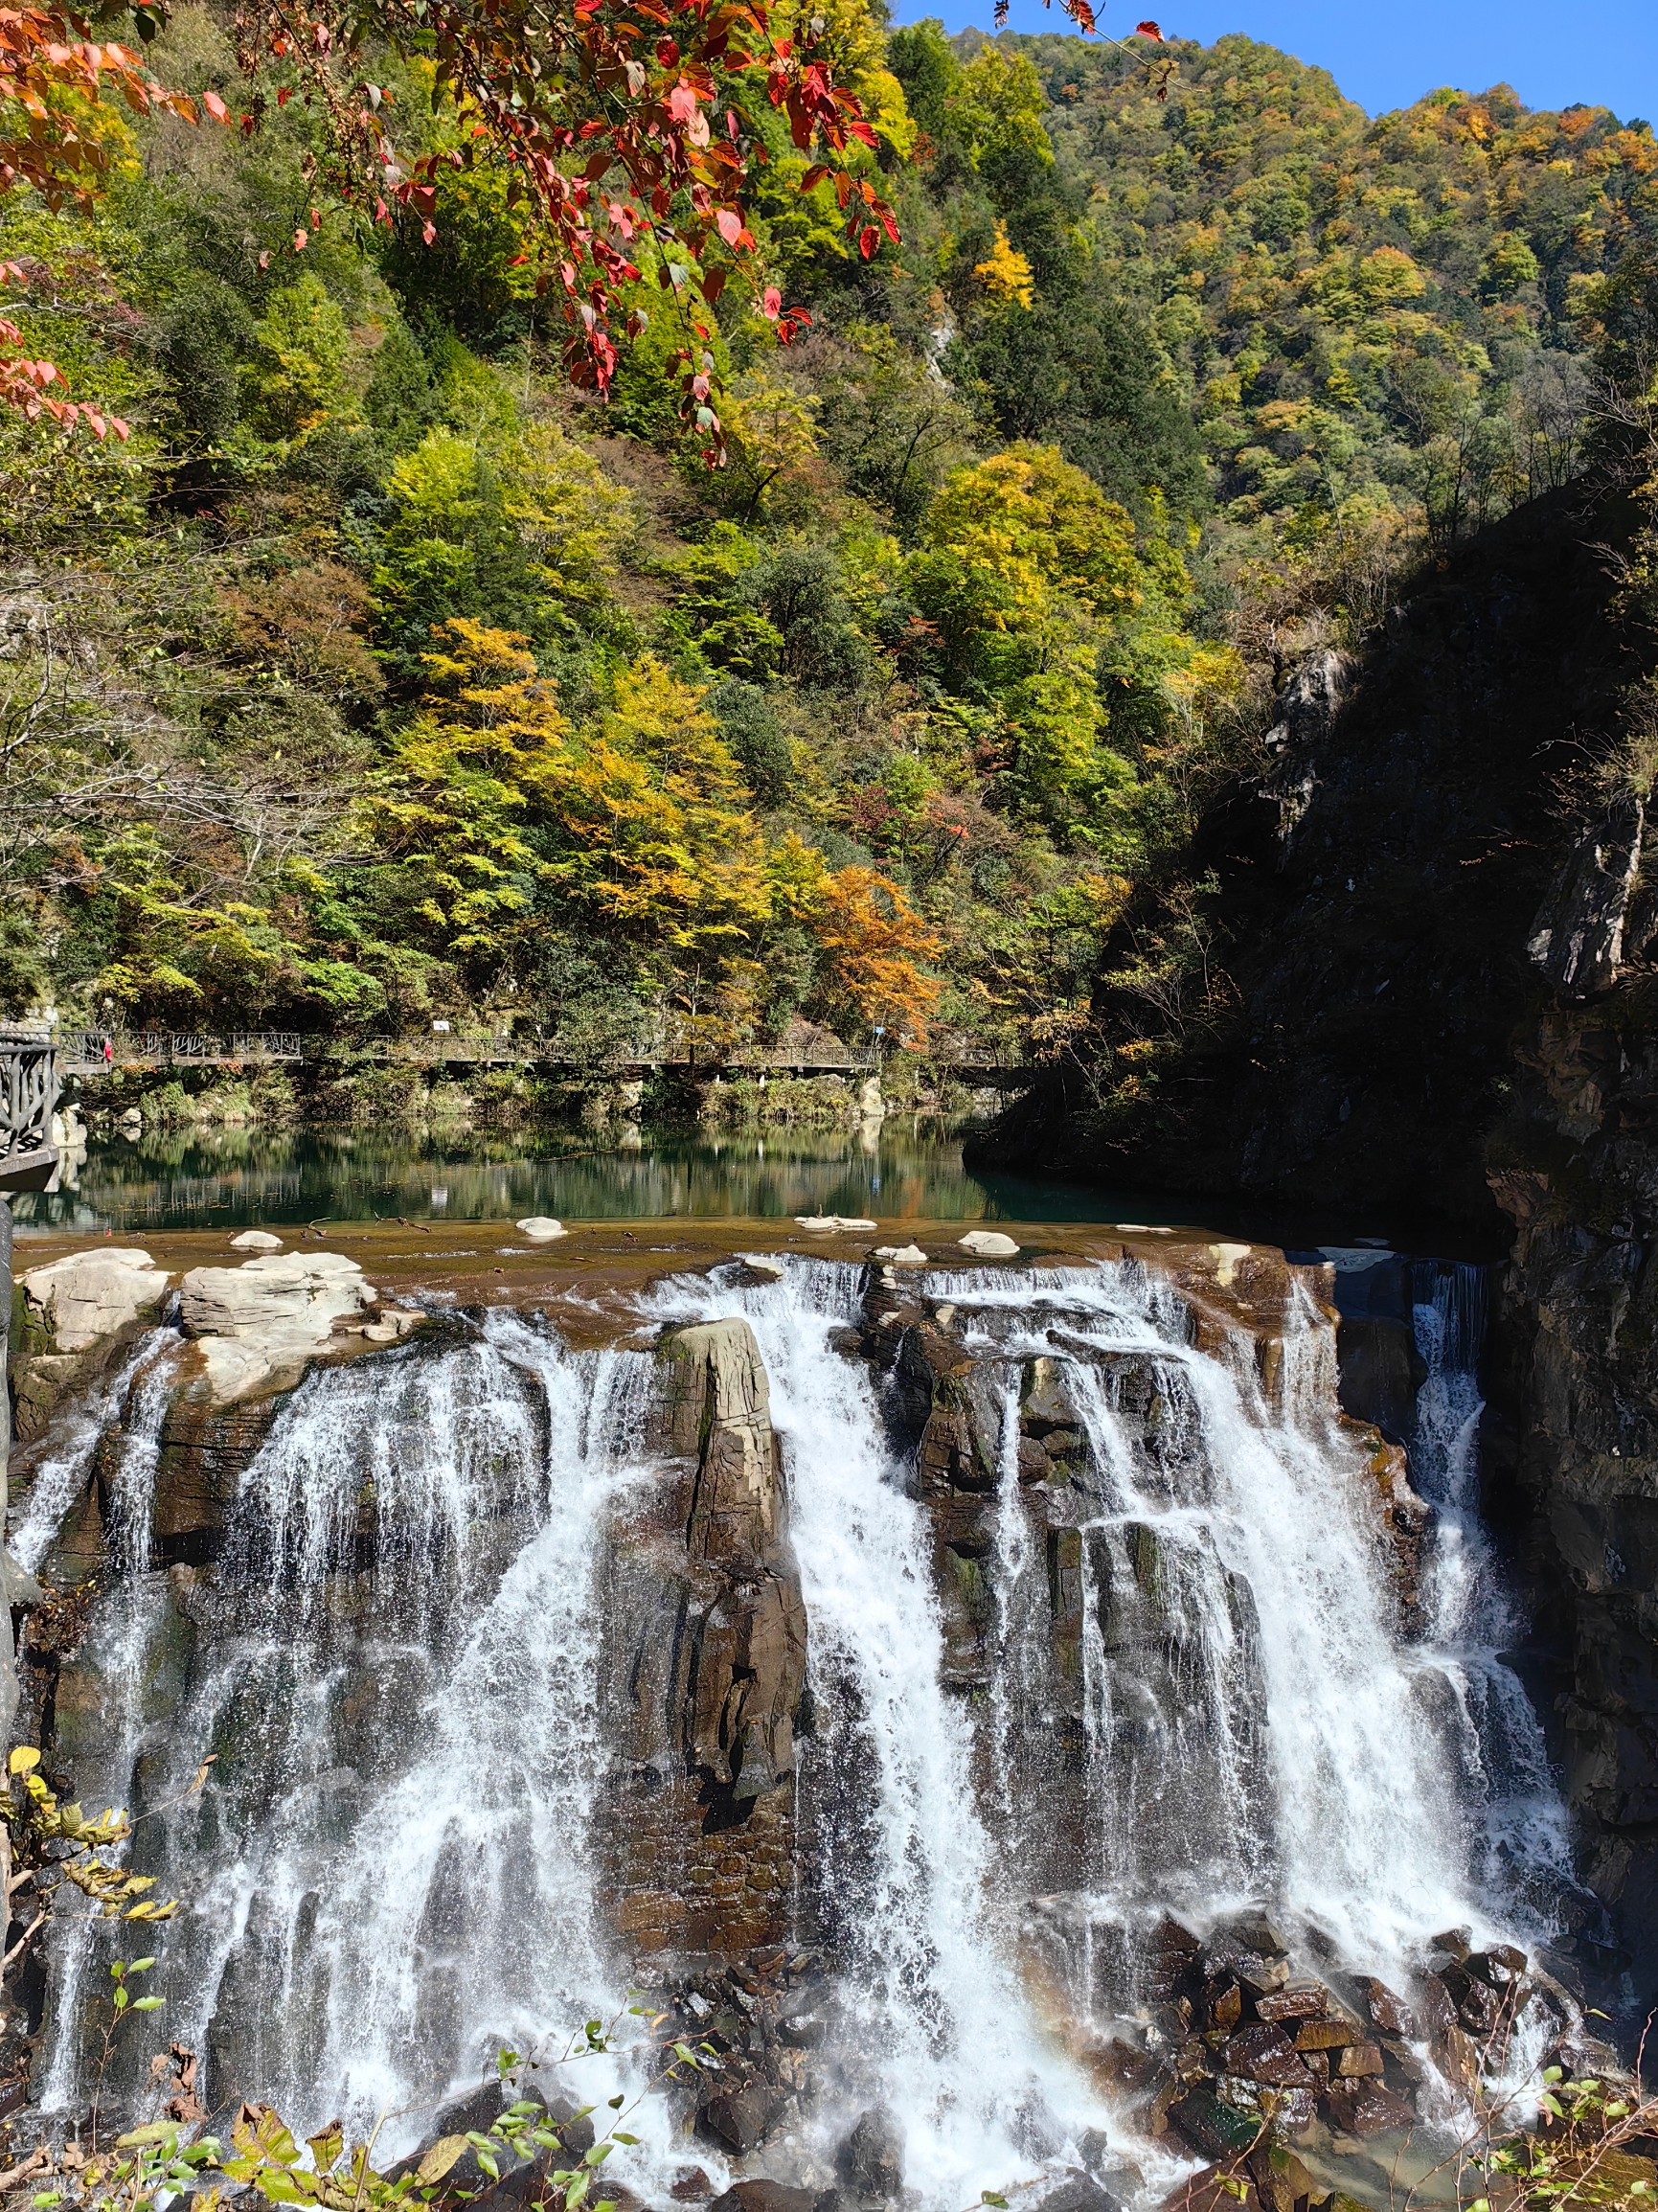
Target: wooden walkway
92, 1053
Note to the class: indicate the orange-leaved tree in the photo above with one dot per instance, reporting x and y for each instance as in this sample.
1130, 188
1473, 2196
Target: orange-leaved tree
873, 942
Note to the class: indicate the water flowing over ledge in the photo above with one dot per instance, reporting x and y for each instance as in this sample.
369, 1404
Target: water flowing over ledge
991, 1662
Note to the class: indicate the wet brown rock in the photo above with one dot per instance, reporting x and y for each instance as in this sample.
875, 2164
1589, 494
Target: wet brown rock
1264, 2053
763, 2197
1358, 2060
1297, 2000
1226, 2006
1328, 2034
1387, 2012
1367, 2108
1282, 2179
742, 2119
691, 2185
1170, 1959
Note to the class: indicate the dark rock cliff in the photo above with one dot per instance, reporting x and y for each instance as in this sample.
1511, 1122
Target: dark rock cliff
1376, 894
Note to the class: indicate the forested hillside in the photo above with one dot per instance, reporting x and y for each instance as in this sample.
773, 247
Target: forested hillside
380, 677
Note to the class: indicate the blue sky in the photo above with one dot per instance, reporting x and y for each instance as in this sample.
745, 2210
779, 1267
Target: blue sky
1387, 53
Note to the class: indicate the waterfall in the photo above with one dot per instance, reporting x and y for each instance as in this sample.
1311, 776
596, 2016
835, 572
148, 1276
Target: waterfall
1156, 1661
945, 2035
1523, 1856
64, 1457
1276, 1747
389, 1879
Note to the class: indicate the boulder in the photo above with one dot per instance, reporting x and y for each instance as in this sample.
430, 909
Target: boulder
256, 1241
1388, 2013
990, 1245
828, 1222
901, 1255
262, 1320
91, 1295
740, 2119
1262, 2053
763, 2197
1365, 2108
1078, 2192
1297, 2000
691, 2185
873, 2156
393, 1325
541, 1228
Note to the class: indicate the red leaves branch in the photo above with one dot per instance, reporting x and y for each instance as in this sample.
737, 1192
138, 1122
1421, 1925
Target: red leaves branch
615, 119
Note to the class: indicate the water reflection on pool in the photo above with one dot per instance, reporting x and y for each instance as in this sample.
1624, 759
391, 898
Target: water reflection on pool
241, 1177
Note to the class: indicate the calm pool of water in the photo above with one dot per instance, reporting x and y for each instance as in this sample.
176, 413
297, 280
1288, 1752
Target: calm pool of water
235, 1178
244, 1178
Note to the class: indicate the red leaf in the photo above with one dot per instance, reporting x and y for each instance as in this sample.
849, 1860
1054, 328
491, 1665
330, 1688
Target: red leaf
712, 285
771, 305
1148, 31
869, 237
285, 93
729, 225
302, 240
216, 107
430, 232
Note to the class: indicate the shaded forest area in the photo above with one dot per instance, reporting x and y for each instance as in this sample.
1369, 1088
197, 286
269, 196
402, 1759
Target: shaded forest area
380, 678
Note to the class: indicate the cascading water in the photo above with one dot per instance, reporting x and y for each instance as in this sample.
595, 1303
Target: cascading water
1523, 1859
389, 1879
65, 1454
946, 2039
1158, 1663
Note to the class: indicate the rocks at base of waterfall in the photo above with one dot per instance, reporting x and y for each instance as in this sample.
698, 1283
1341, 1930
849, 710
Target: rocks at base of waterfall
257, 1324
1387, 2011
1264, 2053
872, 2158
1075, 2191
256, 1241
90, 1295
990, 1245
742, 2119
541, 1228
761, 2196
691, 2185
1367, 2107
1212, 2124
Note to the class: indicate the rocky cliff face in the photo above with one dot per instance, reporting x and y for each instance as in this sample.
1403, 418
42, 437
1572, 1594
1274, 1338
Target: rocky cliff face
1575, 1166
1377, 893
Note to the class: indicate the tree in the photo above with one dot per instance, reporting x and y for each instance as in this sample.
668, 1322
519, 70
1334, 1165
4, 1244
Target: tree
52, 76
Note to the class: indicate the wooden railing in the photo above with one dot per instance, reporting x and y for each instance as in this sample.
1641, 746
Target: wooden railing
28, 1096
91, 1051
